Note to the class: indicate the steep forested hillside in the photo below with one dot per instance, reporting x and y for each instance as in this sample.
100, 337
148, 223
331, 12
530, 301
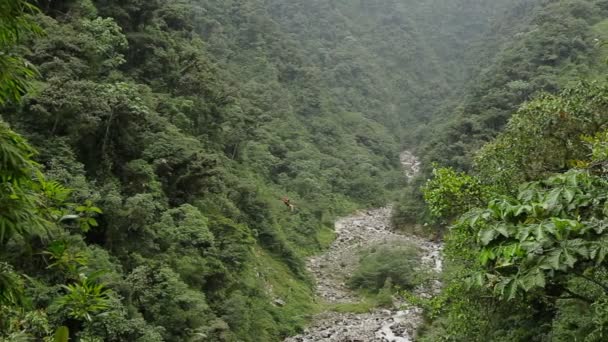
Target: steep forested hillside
161, 137
179, 126
525, 244
537, 46
529, 236
167, 166
542, 47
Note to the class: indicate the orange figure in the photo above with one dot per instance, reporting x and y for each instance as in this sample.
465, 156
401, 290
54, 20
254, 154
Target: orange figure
287, 202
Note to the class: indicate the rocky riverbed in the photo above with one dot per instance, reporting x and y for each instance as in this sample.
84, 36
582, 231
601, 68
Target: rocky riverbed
362, 231
410, 164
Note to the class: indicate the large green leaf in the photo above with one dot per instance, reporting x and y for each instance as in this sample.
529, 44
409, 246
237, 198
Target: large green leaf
504, 229
486, 255
532, 247
511, 289
552, 199
524, 232
565, 225
487, 235
539, 231
598, 250
62, 334
569, 194
523, 209
551, 260
532, 279
501, 287
599, 226
565, 255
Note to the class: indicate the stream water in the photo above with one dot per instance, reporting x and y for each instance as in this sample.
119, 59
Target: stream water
361, 231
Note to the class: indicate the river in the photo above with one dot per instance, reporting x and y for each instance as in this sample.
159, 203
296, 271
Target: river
361, 231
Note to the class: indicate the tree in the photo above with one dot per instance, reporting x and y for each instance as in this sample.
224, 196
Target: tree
450, 193
21, 192
526, 150
15, 72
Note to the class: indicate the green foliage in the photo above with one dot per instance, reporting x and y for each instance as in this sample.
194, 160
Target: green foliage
538, 47
23, 325
162, 297
62, 334
450, 193
532, 256
554, 231
11, 285
388, 266
368, 303
84, 299
542, 248
527, 151
66, 259
20, 195
536, 253
410, 210
86, 213
180, 126
34, 205
15, 71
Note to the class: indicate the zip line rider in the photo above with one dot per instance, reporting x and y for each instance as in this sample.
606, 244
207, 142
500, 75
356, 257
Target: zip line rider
288, 203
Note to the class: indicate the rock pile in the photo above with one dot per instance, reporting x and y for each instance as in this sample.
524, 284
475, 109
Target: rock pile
380, 326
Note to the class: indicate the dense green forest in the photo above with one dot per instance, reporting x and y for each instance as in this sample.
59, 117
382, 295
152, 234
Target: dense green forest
161, 137
146, 148
515, 181
535, 47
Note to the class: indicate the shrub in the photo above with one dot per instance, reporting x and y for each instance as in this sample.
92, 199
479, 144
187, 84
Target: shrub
397, 263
